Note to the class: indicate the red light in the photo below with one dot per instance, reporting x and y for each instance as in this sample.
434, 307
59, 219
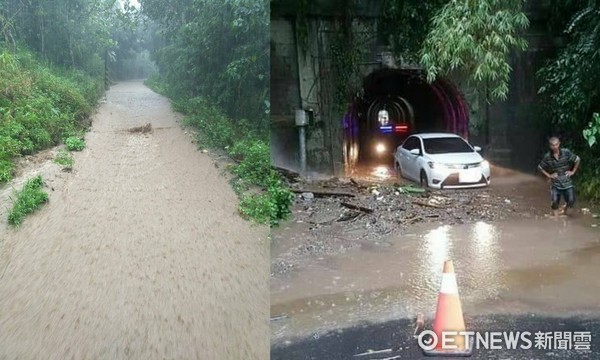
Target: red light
401, 128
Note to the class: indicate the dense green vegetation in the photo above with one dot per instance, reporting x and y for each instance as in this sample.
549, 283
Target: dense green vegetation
88, 35
214, 64
26, 201
40, 105
74, 143
570, 88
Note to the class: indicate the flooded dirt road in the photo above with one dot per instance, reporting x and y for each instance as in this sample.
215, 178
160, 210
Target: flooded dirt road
139, 254
525, 264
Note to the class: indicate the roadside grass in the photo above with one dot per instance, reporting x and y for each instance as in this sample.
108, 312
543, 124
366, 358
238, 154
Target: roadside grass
6, 170
264, 197
28, 200
41, 106
65, 159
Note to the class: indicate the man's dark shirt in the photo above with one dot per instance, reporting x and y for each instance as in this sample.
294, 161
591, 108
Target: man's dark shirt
566, 160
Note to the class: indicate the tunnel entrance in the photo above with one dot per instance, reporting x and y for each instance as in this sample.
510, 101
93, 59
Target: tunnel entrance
394, 104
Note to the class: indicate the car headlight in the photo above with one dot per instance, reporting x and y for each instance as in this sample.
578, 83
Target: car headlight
485, 163
434, 165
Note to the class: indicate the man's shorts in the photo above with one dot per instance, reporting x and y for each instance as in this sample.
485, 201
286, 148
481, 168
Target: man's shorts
567, 194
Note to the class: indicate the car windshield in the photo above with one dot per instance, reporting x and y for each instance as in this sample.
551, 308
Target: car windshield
446, 145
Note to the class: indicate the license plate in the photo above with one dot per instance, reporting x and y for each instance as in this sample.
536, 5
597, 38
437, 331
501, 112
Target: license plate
469, 176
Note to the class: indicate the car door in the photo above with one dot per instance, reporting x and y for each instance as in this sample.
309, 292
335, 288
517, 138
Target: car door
409, 161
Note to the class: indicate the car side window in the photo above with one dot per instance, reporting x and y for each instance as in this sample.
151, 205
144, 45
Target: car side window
411, 143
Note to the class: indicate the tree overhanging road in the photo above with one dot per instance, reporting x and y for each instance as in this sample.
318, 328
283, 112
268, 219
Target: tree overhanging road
140, 252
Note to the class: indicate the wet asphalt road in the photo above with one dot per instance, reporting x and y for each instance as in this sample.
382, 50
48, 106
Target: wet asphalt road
397, 338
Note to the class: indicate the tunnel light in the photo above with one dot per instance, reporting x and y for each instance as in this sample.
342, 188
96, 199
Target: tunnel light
380, 148
384, 117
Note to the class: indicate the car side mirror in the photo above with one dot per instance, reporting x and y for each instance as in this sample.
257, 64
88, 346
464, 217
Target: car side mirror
415, 152
477, 148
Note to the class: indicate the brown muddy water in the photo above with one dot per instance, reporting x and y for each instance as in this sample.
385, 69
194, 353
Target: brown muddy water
140, 252
540, 266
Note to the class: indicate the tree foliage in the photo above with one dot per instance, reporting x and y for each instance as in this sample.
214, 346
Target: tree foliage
218, 50
592, 132
476, 37
72, 33
213, 61
570, 81
570, 91
404, 24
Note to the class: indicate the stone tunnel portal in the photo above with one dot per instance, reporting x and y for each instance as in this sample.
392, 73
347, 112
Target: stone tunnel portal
395, 103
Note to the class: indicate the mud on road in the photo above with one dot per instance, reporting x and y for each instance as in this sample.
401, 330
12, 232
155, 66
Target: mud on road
334, 274
140, 252
334, 215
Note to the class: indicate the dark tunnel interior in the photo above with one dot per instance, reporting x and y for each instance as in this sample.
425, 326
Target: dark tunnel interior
394, 104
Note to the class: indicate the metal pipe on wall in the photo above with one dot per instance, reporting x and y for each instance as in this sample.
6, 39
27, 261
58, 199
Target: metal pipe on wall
301, 123
302, 134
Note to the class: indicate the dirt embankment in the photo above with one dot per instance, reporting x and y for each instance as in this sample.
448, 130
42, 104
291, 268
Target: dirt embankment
140, 252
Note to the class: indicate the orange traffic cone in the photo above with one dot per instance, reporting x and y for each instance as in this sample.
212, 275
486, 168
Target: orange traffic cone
449, 317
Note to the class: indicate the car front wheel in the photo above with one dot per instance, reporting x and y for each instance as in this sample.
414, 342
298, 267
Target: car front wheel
398, 171
423, 179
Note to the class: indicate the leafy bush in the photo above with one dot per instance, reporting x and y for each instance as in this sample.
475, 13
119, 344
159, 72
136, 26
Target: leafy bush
26, 201
75, 143
65, 159
256, 207
280, 199
272, 206
255, 161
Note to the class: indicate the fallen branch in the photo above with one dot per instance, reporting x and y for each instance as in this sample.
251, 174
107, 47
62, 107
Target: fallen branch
357, 207
416, 202
410, 220
323, 193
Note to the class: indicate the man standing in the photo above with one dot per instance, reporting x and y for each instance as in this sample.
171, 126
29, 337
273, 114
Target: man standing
559, 165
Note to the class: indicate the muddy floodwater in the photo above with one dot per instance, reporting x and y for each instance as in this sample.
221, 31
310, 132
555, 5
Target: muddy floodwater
523, 265
140, 252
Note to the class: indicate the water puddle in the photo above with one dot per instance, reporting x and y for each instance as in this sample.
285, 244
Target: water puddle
516, 266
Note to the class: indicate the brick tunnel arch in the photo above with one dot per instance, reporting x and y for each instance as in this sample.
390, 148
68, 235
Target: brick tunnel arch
412, 104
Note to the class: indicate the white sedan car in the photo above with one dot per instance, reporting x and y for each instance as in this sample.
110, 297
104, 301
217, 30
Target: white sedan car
442, 161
